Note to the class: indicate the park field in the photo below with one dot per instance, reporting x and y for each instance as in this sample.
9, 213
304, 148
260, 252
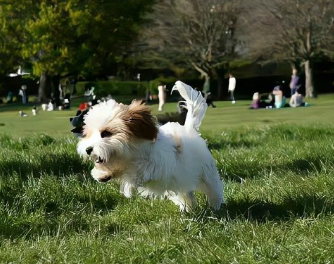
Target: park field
277, 166
225, 117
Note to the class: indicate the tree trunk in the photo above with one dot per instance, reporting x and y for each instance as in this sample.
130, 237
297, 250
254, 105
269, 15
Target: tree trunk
55, 93
205, 75
220, 73
220, 93
44, 91
48, 88
309, 85
206, 85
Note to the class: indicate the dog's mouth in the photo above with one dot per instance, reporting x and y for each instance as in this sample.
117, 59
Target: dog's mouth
105, 179
99, 160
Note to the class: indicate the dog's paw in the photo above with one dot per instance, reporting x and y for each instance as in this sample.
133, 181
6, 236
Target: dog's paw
127, 189
100, 176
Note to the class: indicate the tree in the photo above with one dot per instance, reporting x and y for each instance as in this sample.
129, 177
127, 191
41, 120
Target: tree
11, 34
299, 32
66, 38
194, 33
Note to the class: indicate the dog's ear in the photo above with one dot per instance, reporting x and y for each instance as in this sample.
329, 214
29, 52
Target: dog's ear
78, 131
139, 120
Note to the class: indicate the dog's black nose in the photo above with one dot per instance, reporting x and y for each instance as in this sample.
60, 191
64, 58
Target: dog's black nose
89, 150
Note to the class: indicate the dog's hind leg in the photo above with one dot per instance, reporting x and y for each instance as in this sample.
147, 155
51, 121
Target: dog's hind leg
212, 186
185, 201
190, 201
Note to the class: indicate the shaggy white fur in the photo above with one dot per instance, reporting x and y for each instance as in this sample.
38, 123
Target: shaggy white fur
170, 161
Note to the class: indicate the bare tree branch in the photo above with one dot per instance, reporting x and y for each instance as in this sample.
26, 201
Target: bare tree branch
293, 30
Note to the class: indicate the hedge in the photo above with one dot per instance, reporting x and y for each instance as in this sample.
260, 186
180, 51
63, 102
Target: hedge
116, 88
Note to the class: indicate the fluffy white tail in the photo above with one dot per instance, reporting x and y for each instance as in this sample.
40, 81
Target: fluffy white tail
195, 104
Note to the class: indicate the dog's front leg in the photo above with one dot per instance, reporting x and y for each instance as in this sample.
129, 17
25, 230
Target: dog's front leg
99, 175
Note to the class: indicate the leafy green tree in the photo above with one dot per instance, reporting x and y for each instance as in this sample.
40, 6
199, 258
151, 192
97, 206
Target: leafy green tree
76, 37
11, 34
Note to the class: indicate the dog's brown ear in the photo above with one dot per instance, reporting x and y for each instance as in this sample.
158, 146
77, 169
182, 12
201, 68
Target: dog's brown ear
140, 121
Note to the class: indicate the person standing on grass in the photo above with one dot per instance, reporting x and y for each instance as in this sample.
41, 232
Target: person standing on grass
23, 94
231, 87
294, 83
161, 96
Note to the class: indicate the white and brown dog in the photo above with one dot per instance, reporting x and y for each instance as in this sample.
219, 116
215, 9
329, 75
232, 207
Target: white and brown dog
127, 145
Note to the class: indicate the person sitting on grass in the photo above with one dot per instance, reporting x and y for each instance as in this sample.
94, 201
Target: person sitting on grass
279, 98
51, 106
256, 101
10, 97
296, 100
265, 100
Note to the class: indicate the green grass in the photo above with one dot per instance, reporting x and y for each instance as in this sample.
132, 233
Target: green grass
277, 166
225, 117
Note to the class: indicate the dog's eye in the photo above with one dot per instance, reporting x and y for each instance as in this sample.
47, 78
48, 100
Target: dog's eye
105, 133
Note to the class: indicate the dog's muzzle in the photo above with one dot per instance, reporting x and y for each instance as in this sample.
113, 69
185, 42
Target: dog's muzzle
98, 159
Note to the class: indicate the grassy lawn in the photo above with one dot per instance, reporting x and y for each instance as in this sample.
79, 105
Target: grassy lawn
277, 165
225, 117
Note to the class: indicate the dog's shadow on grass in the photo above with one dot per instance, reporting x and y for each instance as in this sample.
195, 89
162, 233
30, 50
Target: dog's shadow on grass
231, 144
305, 167
261, 211
57, 165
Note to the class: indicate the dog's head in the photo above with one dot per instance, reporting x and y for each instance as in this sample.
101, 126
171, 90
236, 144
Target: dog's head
112, 131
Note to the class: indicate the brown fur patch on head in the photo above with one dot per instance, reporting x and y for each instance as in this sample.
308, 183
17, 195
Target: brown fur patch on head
138, 118
87, 133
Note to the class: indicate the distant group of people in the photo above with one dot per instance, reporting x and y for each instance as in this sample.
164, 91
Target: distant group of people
162, 95
22, 93
276, 98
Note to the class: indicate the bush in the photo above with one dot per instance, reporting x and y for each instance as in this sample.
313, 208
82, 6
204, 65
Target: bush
103, 88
